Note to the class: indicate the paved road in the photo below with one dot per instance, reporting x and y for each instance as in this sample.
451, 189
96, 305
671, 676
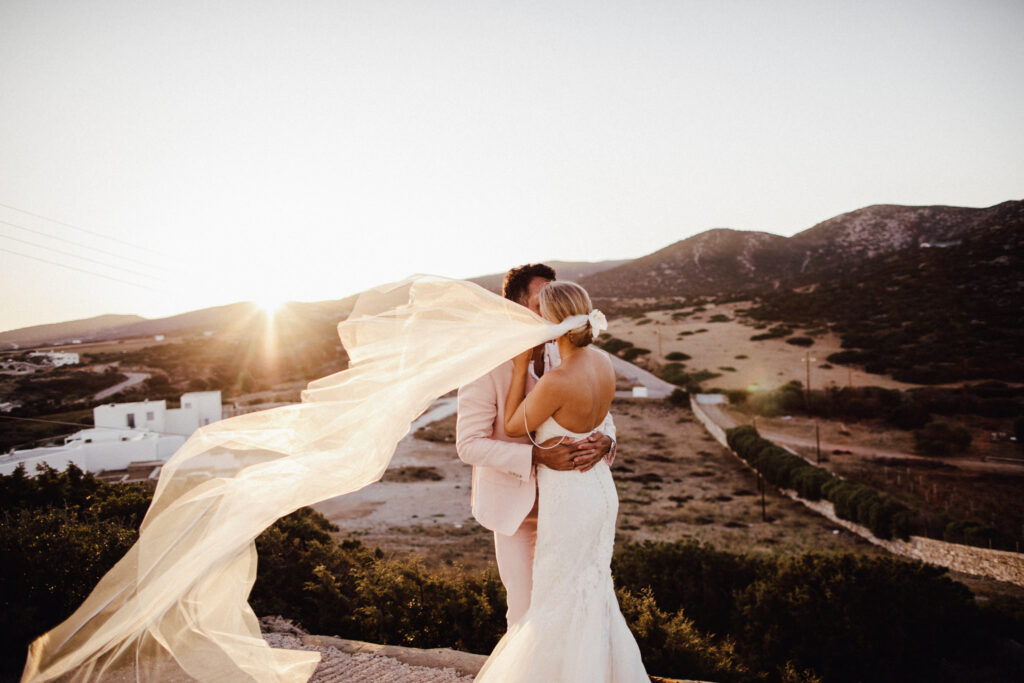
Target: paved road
656, 387
725, 422
133, 379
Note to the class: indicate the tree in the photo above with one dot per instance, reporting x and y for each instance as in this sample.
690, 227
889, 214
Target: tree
941, 439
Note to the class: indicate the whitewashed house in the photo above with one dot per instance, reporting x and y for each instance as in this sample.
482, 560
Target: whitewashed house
198, 408
125, 434
56, 358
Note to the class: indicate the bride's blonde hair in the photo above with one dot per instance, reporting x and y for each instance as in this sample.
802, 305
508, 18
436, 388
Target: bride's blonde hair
562, 299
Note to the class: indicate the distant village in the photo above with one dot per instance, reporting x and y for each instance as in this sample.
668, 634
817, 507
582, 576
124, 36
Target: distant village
128, 441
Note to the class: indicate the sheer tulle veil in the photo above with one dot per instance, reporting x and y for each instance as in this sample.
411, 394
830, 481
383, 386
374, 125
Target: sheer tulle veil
175, 606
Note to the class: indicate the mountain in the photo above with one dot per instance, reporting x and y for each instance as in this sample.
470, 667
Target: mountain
565, 270
574, 270
924, 315
238, 316
66, 331
724, 261
716, 261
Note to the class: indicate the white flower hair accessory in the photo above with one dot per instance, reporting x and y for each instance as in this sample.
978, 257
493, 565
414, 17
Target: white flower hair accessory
598, 323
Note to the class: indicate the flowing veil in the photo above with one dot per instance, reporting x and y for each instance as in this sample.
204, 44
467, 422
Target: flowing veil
174, 608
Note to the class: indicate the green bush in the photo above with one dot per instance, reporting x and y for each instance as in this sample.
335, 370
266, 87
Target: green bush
800, 341
773, 333
884, 516
671, 645
674, 373
355, 592
777, 619
633, 352
895, 617
972, 533
843, 617
677, 355
941, 438
679, 397
614, 344
59, 533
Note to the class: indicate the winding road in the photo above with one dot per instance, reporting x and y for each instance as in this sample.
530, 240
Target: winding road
133, 379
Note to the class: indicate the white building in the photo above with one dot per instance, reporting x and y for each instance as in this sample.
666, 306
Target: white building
56, 358
124, 433
198, 408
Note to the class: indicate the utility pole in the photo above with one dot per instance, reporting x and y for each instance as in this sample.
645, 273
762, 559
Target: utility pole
817, 439
807, 388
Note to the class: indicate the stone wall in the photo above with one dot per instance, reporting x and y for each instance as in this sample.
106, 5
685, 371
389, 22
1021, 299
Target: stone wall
996, 564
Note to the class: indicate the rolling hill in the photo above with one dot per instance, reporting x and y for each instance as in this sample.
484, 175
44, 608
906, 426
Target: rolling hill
724, 262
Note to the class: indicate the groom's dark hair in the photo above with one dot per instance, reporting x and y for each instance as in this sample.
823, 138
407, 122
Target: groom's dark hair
517, 280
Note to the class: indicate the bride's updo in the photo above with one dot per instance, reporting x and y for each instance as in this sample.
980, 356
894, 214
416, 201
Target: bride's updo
562, 299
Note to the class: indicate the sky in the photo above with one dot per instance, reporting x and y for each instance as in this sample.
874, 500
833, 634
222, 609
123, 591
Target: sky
161, 157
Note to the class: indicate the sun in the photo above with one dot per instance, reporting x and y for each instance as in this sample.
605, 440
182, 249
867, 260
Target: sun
269, 305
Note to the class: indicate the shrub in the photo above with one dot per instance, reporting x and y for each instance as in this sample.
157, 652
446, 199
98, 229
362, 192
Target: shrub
674, 373
884, 516
672, 645
972, 533
821, 613
902, 613
355, 592
941, 438
679, 397
614, 345
773, 333
800, 341
633, 352
677, 355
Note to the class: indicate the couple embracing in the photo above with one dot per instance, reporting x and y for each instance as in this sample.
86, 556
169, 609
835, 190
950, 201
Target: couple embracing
174, 607
550, 499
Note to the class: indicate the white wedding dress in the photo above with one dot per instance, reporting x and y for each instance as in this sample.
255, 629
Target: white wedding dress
573, 629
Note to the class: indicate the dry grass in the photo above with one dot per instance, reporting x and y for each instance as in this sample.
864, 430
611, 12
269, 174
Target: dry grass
674, 481
713, 344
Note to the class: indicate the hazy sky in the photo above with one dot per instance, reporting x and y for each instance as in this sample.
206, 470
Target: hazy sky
230, 151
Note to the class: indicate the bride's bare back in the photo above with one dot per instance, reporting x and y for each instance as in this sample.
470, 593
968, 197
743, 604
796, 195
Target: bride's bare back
586, 388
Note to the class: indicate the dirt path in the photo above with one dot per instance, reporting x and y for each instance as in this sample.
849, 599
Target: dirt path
656, 387
133, 379
726, 421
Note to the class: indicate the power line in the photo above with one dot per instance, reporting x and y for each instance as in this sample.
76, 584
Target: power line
83, 246
53, 422
79, 256
75, 227
78, 424
82, 270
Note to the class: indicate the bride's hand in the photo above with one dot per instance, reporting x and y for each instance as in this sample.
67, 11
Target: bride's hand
522, 361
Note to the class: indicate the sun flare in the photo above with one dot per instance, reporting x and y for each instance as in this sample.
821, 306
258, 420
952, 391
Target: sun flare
269, 305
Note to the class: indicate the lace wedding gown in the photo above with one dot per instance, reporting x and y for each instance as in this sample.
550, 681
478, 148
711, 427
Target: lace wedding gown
573, 629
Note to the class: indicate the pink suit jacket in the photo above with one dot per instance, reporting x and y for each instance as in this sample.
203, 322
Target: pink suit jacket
504, 478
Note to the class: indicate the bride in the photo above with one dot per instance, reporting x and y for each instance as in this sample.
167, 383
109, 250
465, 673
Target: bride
175, 606
573, 629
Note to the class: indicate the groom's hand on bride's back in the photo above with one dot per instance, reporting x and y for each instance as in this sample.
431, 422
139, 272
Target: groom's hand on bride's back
556, 453
590, 451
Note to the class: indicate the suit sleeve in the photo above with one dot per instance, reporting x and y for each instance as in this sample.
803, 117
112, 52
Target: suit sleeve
478, 411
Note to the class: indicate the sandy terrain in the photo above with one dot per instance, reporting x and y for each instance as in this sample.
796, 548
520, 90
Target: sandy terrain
769, 363
674, 482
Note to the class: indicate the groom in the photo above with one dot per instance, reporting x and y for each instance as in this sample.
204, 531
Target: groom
504, 482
